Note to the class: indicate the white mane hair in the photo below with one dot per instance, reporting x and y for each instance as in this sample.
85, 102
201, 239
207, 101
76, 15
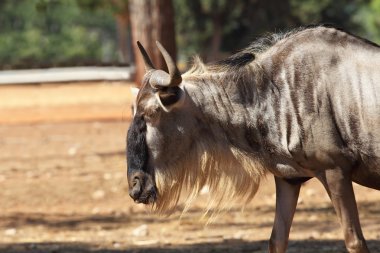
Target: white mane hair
231, 175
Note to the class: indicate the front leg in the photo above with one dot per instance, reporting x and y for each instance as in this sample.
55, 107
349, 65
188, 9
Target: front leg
286, 202
338, 184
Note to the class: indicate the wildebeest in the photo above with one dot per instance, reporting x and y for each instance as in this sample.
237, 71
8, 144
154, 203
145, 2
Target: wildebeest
301, 105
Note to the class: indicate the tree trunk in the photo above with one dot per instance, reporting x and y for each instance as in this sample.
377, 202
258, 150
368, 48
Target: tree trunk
216, 38
151, 21
122, 36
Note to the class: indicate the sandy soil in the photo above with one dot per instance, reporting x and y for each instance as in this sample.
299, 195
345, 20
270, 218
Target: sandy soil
63, 186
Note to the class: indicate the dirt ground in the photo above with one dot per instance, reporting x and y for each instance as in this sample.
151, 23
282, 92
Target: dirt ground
63, 186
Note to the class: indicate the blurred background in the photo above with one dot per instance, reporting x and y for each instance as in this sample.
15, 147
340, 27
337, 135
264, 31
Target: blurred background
51, 33
66, 69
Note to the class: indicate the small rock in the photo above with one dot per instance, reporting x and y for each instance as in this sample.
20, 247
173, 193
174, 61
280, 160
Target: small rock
140, 231
73, 150
107, 176
99, 194
116, 245
10, 232
310, 192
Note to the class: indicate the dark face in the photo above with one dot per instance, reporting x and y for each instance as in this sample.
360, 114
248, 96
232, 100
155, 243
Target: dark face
142, 188
158, 138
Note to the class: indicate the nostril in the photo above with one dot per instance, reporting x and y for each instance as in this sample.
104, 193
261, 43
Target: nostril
136, 180
136, 190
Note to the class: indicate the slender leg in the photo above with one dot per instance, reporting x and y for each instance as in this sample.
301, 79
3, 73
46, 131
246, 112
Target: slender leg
339, 187
286, 202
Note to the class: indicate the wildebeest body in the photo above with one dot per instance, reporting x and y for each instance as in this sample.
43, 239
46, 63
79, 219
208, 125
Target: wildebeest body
307, 105
325, 105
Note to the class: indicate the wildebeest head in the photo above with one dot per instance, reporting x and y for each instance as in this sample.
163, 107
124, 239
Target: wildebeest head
171, 144
155, 137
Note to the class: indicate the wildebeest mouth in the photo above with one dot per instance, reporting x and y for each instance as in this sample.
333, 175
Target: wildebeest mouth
142, 188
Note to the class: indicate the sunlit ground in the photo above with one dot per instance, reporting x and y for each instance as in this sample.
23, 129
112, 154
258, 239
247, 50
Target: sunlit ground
63, 186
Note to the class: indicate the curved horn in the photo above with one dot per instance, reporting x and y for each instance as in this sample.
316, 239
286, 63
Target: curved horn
147, 61
175, 75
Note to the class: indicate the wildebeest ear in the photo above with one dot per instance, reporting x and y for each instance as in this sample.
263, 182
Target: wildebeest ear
134, 92
170, 98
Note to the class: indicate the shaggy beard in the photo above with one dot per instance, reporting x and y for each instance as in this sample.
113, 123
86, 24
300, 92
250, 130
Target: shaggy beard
231, 175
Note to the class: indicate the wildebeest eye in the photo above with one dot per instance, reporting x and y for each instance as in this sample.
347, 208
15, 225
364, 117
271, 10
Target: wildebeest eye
170, 95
